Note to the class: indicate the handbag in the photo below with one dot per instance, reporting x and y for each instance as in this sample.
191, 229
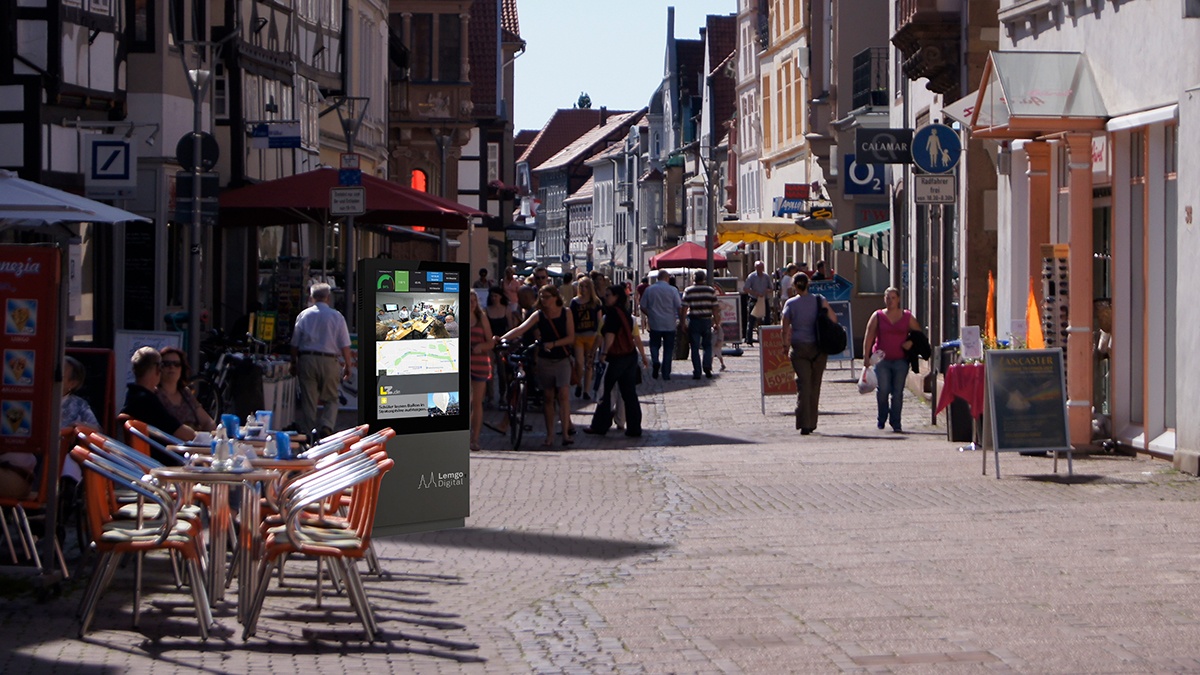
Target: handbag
831, 337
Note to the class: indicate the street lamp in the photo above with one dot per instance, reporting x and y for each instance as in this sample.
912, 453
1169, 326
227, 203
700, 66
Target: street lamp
197, 57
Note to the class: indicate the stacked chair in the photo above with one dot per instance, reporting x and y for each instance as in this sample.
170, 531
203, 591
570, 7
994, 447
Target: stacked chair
328, 513
153, 522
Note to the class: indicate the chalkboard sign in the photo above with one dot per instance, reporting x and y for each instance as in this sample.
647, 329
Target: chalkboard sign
140, 277
1027, 400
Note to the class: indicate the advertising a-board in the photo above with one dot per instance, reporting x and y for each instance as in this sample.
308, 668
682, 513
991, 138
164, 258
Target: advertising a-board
30, 278
777, 378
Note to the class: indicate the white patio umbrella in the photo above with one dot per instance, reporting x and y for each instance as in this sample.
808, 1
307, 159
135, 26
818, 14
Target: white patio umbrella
32, 206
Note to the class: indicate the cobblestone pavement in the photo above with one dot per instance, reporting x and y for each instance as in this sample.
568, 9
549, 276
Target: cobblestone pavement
721, 542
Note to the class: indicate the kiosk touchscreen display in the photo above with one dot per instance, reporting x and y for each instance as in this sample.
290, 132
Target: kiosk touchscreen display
415, 365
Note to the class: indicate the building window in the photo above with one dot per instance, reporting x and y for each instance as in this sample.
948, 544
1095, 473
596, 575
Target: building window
141, 25
421, 47
449, 48
419, 180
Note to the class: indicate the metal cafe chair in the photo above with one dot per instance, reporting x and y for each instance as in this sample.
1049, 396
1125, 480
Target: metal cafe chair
343, 545
113, 536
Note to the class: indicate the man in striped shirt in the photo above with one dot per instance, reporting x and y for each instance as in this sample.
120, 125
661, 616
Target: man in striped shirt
699, 303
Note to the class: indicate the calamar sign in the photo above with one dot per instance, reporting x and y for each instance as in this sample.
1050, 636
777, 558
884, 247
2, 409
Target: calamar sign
883, 146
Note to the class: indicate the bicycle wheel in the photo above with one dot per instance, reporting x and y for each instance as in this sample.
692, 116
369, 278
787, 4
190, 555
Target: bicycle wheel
517, 399
207, 396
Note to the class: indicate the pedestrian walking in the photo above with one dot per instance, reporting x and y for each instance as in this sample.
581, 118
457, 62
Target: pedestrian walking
661, 306
620, 353
808, 361
887, 331
699, 301
319, 339
585, 311
758, 289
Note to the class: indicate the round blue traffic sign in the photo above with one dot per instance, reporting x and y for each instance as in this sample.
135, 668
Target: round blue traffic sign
936, 148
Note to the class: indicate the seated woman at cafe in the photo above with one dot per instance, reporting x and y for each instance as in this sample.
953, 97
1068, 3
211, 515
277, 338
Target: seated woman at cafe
141, 403
175, 392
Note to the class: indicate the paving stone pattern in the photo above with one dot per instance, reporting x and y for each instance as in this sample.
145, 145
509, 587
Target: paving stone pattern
721, 541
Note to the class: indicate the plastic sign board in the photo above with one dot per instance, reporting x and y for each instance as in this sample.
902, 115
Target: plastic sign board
864, 178
936, 148
110, 167
796, 191
933, 189
786, 207
883, 146
271, 135
347, 201
351, 160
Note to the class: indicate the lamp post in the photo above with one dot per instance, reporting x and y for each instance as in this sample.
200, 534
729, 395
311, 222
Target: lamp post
194, 56
443, 143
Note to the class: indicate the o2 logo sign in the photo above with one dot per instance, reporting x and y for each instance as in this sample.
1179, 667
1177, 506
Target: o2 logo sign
863, 179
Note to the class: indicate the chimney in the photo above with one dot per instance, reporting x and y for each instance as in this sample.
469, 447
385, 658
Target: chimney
603, 115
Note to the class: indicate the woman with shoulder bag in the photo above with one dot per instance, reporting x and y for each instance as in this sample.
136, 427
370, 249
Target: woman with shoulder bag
553, 367
621, 351
808, 361
887, 331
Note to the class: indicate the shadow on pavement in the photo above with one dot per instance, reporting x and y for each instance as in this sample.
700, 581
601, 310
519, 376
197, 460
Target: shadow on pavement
674, 439
532, 542
1079, 479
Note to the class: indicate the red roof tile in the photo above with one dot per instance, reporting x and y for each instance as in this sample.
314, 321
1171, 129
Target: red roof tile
509, 19
563, 127
614, 128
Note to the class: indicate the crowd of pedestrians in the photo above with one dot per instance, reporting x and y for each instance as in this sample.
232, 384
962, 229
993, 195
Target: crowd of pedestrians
591, 329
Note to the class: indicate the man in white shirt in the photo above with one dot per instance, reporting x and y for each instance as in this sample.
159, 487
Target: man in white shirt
318, 340
758, 287
660, 306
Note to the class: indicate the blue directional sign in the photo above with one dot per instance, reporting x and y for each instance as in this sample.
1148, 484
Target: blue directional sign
936, 148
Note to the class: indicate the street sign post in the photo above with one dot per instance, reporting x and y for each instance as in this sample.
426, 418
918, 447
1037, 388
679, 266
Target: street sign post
347, 201
933, 190
936, 148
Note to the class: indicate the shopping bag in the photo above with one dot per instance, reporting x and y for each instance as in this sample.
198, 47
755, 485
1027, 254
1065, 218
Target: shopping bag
598, 371
759, 310
867, 381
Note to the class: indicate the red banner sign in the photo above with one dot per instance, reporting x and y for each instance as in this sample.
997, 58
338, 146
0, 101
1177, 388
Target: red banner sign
29, 279
777, 376
796, 191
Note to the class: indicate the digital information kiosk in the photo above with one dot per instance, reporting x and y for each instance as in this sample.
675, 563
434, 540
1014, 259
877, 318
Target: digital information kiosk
414, 367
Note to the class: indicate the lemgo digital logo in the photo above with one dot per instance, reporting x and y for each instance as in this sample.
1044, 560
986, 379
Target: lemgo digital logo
442, 480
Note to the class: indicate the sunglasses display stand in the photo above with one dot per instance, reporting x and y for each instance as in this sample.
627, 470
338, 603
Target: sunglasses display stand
1055, 292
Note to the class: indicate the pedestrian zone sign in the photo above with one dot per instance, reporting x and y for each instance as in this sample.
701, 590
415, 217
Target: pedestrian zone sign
936, 148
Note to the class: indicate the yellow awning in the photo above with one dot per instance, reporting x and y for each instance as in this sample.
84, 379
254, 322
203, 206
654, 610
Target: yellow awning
772, 231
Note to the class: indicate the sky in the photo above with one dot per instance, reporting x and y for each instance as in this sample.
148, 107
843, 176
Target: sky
611, 49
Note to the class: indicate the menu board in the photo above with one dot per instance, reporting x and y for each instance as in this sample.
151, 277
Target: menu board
1027, 399
29, 280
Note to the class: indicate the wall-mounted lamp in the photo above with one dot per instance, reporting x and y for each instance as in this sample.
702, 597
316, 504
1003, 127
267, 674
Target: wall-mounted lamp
271, 107
259, 24
95, 33
318, 50
151, 137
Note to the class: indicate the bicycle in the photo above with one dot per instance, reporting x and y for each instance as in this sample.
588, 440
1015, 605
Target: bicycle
521, 388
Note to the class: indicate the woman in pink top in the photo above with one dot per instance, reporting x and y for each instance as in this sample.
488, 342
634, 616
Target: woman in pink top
887, 331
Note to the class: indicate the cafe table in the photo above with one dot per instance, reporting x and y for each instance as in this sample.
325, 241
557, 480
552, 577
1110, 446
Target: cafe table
251, 480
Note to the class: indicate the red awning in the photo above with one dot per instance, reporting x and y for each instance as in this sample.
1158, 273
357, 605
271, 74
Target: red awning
687, 254
304, 197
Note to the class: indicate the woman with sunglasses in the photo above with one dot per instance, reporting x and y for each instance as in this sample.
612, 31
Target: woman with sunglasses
553, 368
887, 331
176, 394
